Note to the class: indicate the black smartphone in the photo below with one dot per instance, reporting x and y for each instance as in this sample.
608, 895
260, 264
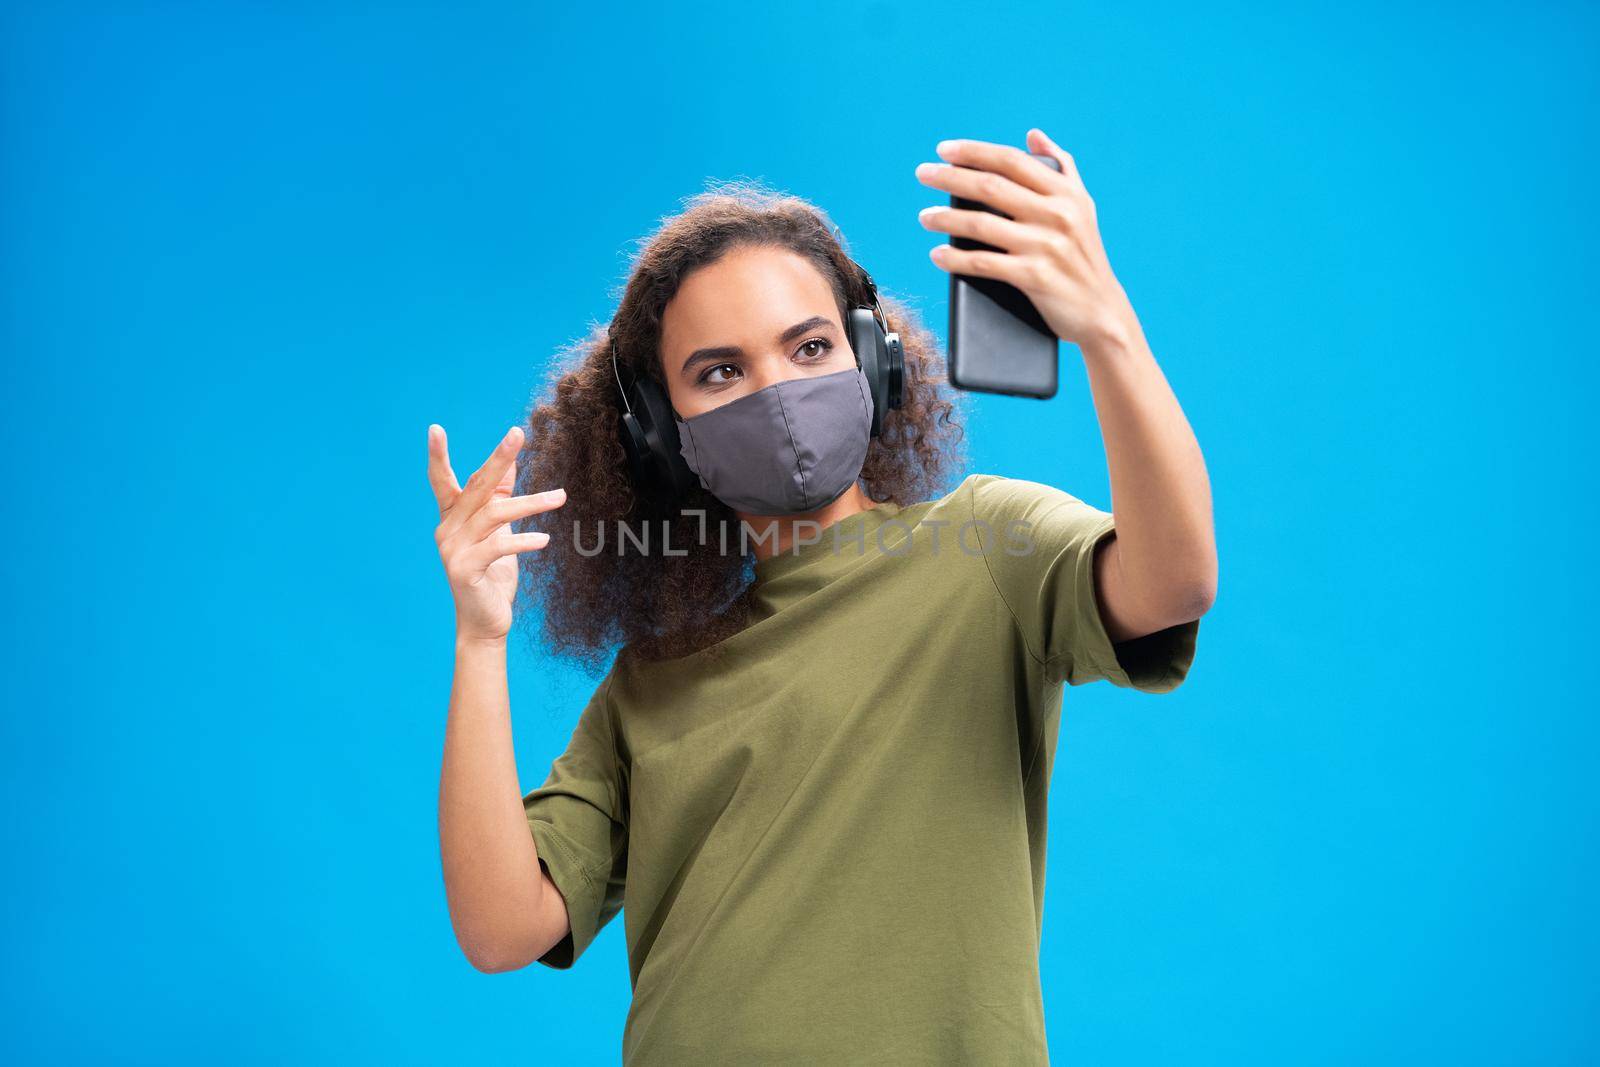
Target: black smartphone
999, 343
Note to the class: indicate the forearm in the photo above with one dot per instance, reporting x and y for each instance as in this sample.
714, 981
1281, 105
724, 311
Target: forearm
491, 867
1160, 492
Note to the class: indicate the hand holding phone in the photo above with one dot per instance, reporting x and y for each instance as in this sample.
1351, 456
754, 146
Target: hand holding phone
999, 343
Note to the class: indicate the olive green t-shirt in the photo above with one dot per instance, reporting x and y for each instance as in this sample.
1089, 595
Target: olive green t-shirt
826, 833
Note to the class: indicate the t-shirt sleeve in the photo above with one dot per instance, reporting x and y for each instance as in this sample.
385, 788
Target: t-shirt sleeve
578, 819
1039, 548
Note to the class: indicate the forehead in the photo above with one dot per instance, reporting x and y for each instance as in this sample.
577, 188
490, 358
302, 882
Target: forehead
745, 298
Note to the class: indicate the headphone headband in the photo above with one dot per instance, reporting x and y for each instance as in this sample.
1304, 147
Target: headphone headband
872, 287
872, 291
618, 374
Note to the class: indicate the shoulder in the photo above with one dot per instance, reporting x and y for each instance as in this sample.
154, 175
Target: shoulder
995, 497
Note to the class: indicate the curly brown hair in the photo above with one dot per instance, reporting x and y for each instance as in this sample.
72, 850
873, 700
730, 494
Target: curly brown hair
666, 606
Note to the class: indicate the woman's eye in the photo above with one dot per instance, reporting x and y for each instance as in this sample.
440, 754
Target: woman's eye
814, 349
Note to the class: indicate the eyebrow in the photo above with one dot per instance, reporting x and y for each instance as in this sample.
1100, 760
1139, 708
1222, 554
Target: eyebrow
723, 353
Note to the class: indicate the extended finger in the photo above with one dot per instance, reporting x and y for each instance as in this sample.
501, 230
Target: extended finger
996, 190
983, 226
498, 512
1015, 163
1014, 270
485, 481
440, 476
476, 560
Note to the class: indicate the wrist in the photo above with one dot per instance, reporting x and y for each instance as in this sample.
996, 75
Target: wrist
1116, 334
471, 642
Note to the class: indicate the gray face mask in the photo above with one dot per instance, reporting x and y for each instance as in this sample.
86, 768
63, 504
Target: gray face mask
789, 448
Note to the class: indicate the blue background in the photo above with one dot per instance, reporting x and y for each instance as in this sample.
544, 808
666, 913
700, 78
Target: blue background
251, 251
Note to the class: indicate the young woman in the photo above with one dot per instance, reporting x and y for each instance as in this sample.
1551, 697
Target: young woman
814, 777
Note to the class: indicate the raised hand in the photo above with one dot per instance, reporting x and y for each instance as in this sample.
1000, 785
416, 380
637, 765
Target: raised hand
475, 540
1050, 246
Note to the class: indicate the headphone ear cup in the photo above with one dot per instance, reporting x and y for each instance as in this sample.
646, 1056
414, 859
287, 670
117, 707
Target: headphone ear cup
636, 447
659, 430
897, 370
872, 352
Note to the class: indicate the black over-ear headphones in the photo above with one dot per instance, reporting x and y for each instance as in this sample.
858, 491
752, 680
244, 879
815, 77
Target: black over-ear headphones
650, 436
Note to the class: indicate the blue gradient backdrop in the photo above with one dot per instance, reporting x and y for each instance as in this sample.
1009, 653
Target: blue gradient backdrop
251, 251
